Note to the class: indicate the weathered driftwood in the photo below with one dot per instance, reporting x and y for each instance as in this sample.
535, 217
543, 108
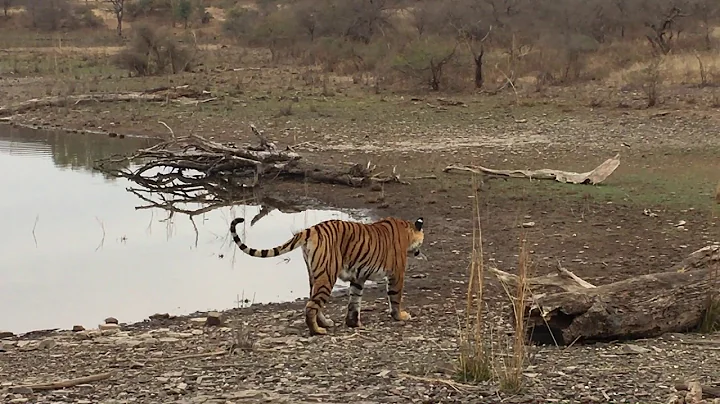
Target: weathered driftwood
596, 176
563, 279
156, 95
640, 307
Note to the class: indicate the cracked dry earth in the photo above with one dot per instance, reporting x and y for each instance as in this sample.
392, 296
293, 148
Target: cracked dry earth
183, 360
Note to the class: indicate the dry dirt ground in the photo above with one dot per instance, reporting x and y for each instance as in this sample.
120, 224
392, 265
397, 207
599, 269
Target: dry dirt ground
626, 227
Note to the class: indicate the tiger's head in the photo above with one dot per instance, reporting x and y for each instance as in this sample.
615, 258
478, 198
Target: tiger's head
417, 237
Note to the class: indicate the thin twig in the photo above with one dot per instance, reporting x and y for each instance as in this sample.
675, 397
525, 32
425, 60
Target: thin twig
169, 128
61, 384
37, 217
454, 385
102, 227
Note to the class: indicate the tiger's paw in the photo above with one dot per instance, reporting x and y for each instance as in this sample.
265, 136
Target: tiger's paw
352, 319
402, 316
326, 322
318, 331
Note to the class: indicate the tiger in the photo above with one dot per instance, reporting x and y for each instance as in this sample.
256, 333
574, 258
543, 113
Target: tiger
354, 252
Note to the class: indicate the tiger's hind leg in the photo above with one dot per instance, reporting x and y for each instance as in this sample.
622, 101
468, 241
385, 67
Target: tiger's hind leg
321, 319
352, 318
313, 309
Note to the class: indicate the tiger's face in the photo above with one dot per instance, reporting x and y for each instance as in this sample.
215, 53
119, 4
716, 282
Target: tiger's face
417, 236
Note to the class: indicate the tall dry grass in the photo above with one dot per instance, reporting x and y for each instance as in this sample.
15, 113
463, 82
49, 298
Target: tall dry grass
511, 376
478, 360
475, 360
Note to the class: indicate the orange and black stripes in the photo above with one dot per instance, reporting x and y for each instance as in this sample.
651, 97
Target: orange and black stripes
351, 251
292, 244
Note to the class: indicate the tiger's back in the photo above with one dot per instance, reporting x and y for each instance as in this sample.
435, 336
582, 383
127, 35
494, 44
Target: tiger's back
368, 251
353, 252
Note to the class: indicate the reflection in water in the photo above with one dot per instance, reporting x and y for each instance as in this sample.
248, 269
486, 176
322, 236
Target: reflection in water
67, 151
75, 250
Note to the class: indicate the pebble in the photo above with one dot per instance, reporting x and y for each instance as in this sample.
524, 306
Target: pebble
109, 327
214, 319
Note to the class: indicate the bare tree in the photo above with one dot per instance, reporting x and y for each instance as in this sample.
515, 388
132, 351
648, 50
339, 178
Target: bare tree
664, 30
6, 6
308, 17
118, 7
477, 55
706, 11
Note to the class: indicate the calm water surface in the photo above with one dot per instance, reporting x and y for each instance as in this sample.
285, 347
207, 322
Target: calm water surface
74, 250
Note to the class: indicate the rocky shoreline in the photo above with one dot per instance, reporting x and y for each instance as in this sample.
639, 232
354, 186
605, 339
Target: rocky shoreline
263, 354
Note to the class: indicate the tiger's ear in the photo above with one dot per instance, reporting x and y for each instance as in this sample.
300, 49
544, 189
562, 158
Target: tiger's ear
419, 224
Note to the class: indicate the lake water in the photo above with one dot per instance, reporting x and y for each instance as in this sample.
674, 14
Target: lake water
74, 250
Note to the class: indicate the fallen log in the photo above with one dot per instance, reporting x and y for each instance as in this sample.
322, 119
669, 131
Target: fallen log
153, 95
596, 176
645, 306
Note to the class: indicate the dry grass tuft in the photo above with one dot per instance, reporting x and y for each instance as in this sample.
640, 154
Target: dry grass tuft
475, 361
242, 338
511, 376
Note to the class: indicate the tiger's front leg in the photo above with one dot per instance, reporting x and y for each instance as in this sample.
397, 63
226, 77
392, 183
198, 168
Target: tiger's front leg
352, 318
394, 293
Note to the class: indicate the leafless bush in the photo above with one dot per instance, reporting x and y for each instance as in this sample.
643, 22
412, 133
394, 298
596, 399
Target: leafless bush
153, 52
426, 59
54, 15
649, 79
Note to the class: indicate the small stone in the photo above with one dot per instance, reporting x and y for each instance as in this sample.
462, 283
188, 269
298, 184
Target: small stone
214, 319
6, 334
180, 334
83, 335
28, 345
160, 316
47, 344
78, 328
109, 326
111, 320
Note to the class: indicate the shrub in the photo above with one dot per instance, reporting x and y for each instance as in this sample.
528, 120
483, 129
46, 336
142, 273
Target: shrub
153, 52
54, 15
425, 59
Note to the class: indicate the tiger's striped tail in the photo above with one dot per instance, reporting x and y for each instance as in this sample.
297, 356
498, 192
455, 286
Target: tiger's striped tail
290, 245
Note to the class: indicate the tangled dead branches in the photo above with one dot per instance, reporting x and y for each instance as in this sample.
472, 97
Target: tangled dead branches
192, 170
